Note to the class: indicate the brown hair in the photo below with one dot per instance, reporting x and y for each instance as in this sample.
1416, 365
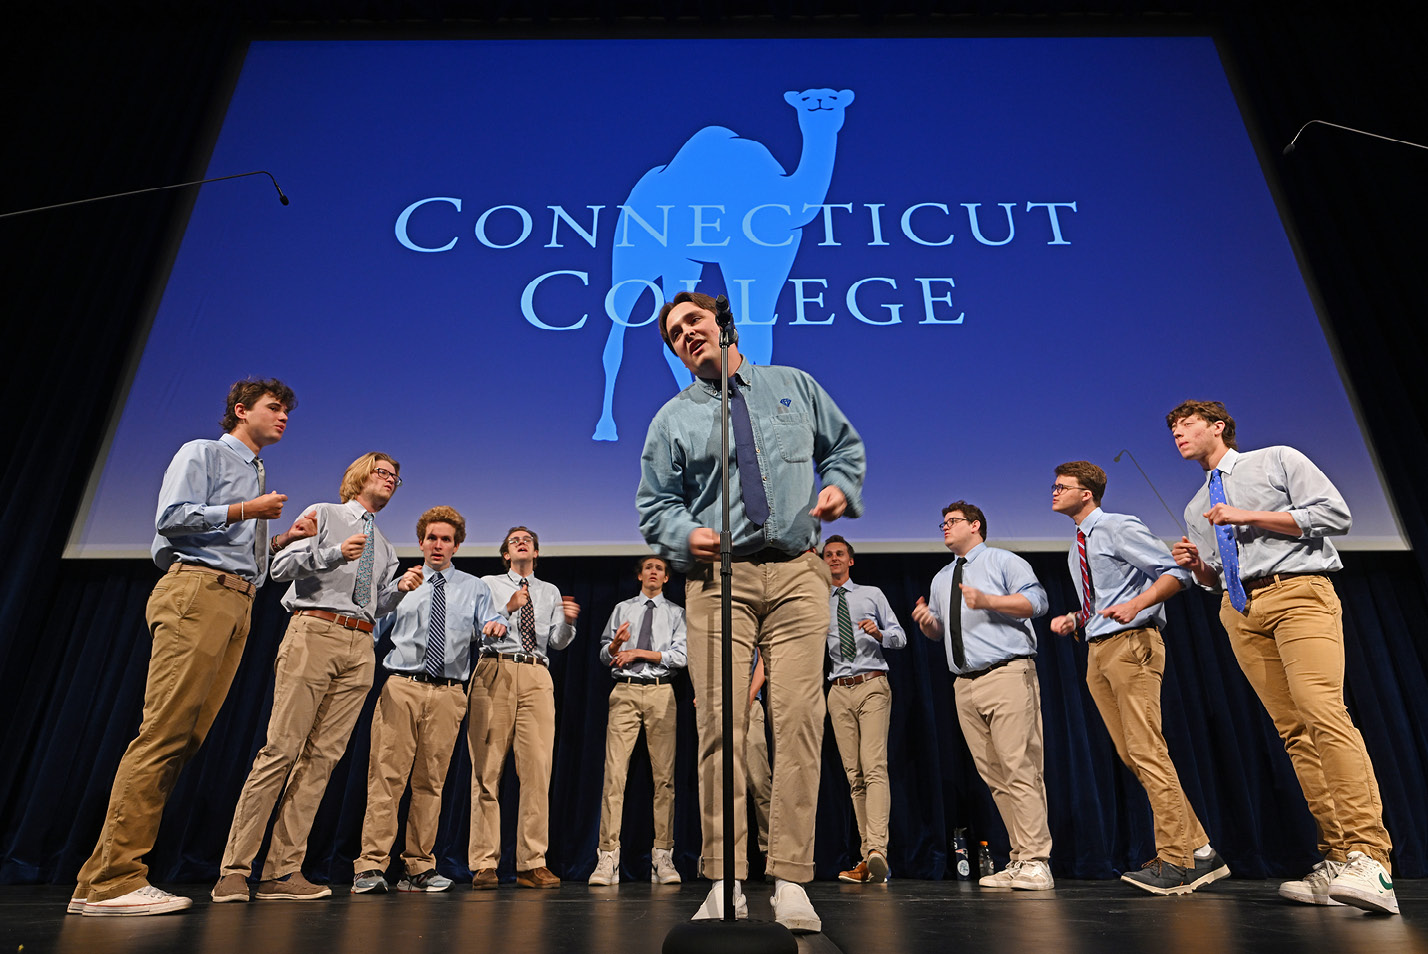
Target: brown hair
506, 544
1091, 477
837, 538
969, 511
359, 470
442, 515
1209, 411
640, 563
699, 299
249, 392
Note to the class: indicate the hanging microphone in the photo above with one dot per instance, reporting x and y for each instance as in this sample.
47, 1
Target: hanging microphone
1179, 520
1290, 148
178, 185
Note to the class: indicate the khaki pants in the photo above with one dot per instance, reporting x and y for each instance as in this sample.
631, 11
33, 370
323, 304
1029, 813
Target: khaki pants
323, 672
783, 607
414, 730
1000, 714
1124, 674
1290, 644
512, 706
199, 628
860, 716
633, 706
758, 771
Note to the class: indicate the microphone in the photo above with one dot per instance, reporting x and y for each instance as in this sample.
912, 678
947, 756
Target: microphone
1290, 148
724, 318
1180, 521
178, 185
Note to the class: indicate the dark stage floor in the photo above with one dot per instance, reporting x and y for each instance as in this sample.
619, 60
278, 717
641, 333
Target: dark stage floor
905, 917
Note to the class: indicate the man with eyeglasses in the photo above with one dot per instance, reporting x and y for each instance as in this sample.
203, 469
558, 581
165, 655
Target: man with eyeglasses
513, 706
1124, 574
1258, 528
786, 432
211, 540
981, 608
343, 578
861, 626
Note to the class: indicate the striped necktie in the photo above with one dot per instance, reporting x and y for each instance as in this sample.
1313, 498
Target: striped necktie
846, 644
436, 629
1088, 594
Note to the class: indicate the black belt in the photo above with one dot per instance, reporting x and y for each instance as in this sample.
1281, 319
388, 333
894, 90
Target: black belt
859, 679
425, 677
768, 555
1260, 582
519, 658
644, 681
979, 673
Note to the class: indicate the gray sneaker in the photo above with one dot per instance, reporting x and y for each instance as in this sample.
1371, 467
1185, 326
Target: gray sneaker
428, 881
369, 880
291, 887
1209, 870
1160, 877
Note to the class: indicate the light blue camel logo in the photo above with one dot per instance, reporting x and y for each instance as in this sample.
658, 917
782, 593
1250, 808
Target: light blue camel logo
721, 201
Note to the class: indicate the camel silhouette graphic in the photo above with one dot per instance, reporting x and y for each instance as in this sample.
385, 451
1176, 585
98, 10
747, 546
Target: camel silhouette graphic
723, 201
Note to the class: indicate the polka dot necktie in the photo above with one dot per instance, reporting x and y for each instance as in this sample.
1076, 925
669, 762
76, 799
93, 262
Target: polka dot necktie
525, 620
1229, 549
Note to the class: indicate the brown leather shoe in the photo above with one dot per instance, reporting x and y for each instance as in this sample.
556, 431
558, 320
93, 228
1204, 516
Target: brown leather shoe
858, 875
541, 877
485, 880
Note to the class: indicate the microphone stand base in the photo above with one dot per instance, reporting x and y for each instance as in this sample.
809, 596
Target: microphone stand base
721, 937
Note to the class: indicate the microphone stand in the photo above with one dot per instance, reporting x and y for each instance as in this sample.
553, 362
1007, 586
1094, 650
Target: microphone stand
177, 185
728, 933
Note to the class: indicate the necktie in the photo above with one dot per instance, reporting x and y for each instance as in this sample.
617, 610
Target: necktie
751, 481
525, 620
645, 639
1088, 597
260, 526
954, 615
1229, 549
845, 625
362, 592
436, 628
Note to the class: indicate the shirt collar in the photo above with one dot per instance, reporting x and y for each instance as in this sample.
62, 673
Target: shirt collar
850, 586
975, 552
428, 572
1092, 518
242, 449
743, 377
1226, 464
516, 578
354, 507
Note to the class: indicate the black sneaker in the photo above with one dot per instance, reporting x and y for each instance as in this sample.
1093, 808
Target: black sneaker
1208, 870
1160, 877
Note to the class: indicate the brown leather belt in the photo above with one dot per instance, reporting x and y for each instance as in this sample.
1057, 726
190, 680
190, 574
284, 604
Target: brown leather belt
1260, 582
350, 622
859, 679
519, 658
230, 580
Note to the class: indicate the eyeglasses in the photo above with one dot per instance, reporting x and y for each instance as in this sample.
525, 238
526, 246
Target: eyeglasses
948, 523
385, 474
520, 539
1062, 488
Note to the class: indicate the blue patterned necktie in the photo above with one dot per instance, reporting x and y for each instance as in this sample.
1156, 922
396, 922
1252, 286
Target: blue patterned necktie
436, 628
751, 481
362, 591
846, 643
1229, 549
525, 620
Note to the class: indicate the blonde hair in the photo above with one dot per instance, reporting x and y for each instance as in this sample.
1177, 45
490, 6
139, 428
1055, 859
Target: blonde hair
359, 470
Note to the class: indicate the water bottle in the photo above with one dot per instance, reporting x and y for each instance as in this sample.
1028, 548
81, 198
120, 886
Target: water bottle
984, 860
960, 860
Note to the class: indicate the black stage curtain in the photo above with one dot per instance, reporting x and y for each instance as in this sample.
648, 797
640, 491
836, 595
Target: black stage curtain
115, 96
78, 705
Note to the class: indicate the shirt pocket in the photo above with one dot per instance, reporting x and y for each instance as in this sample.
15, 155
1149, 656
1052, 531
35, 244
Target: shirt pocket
794, 436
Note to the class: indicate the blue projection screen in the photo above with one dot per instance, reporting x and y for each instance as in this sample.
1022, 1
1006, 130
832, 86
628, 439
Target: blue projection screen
996, 255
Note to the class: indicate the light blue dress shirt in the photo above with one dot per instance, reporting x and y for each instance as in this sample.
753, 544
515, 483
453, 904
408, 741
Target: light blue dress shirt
797, 429
551, 629
1277, 478
1125, 560
864, 602
668, 636
192, 519
468, 608
988, 637
322, 580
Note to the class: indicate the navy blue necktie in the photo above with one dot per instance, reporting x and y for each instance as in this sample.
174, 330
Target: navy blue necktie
751, 481
435, 661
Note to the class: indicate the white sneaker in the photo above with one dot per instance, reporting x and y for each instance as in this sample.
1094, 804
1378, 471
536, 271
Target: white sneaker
1314, 888
607, 868
1033, 876
146, 900
76, 905
662, 869
713, 907
793, 910
1001, 879
1364, 883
